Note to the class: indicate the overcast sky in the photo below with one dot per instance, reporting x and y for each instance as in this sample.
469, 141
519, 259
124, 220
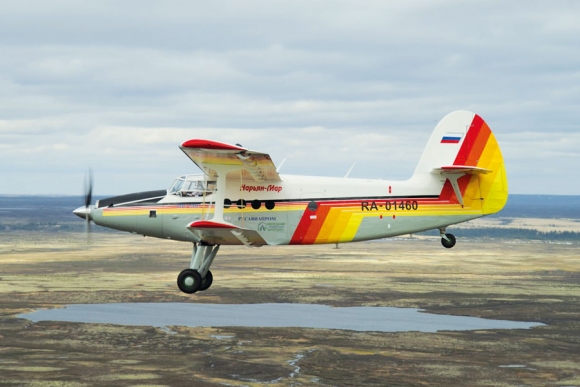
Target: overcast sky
118, 85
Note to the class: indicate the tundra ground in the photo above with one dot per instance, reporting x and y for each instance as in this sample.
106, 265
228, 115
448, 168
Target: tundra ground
493, 279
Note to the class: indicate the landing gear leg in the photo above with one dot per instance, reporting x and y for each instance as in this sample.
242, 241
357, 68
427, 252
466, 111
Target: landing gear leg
447, 240
198, 277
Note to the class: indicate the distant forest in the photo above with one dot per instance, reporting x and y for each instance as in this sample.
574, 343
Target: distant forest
541, 206
509, 233
54, 214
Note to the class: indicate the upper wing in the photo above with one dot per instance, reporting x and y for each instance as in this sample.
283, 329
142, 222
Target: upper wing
207, 153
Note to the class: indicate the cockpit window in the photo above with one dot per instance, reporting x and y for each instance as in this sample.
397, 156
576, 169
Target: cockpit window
192, 185
177, 185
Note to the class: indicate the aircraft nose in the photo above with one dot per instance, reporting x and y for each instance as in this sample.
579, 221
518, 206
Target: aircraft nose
83, 212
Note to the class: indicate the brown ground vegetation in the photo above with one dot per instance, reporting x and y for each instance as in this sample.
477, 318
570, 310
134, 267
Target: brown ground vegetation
491, 279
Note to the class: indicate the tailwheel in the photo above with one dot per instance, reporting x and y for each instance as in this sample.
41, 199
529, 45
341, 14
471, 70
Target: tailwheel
189, 281
448, 240
206, 281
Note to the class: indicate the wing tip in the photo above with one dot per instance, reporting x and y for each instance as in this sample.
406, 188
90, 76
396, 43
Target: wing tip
210, 144
211, 224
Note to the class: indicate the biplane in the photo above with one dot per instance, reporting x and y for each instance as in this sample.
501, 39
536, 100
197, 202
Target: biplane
241, 199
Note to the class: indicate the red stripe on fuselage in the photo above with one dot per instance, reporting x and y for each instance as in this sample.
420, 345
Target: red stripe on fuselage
308, 228
302, 228
316, 224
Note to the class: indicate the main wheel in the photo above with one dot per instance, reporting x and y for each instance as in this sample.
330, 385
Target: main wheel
206, 281
189, 281
448, 243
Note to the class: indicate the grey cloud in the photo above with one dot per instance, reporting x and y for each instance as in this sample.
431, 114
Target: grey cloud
121, 84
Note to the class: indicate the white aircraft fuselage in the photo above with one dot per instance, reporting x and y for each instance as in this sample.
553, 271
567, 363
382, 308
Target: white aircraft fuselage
240, 199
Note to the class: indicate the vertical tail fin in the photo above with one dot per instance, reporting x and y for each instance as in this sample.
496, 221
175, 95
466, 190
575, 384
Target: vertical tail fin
464, 151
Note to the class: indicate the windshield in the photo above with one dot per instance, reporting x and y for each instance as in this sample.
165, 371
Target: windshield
192, 185
176, 185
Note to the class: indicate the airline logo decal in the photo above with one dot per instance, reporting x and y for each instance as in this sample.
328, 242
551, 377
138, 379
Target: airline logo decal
261, 188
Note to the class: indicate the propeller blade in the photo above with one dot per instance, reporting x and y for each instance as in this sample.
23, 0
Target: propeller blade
88, 200
89, 188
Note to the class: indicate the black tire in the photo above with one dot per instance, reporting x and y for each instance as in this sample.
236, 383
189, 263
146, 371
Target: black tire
206, 282
448, 243
189, 281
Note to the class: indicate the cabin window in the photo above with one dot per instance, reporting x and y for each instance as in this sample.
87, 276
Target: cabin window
153, 214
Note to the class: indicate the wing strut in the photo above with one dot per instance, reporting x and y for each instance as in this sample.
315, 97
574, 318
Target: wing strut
220, 195
453, 180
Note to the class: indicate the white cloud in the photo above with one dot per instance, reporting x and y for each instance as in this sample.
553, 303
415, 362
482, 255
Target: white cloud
118, 86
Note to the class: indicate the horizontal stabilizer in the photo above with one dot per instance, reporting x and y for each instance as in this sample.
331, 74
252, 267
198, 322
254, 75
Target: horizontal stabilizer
460, 170
221, 233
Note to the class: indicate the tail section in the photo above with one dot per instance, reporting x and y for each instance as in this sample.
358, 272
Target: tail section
464, 154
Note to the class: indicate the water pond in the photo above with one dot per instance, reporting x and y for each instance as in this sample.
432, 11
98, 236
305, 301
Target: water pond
381, 319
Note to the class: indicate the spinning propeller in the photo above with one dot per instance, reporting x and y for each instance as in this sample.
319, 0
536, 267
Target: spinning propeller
88, 188
85, 212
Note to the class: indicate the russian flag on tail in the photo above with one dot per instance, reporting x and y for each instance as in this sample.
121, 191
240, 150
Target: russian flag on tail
451, 138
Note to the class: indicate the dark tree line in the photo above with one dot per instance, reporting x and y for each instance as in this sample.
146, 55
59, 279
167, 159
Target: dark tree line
513, 233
